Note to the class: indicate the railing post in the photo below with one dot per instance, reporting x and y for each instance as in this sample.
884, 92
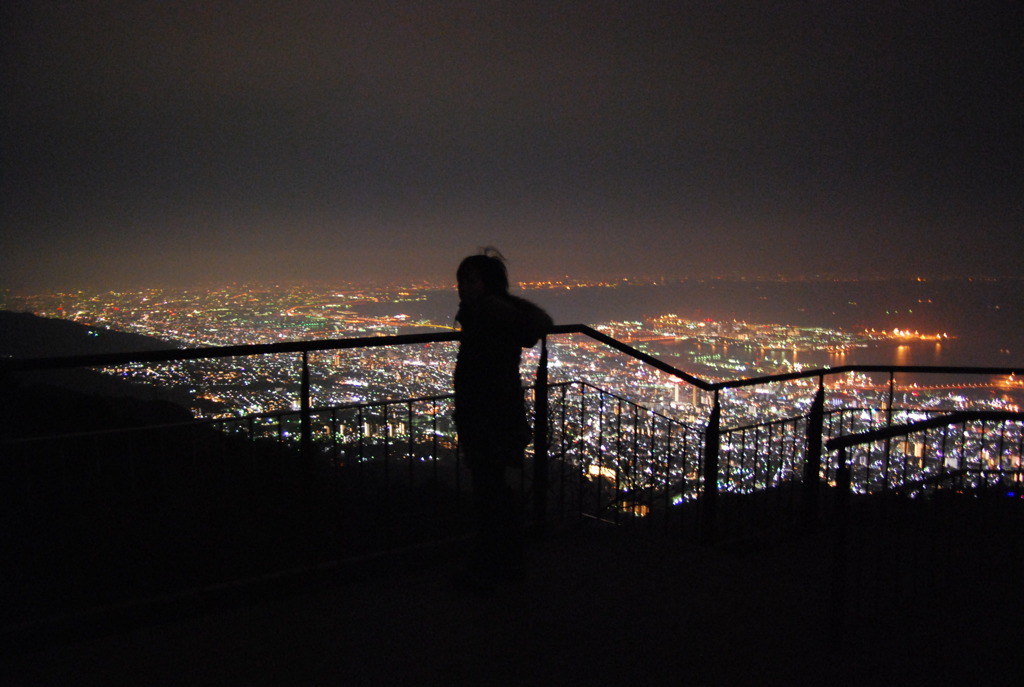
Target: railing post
306, 438
888, 424
812, 457
540, 439
840, 543
712, 439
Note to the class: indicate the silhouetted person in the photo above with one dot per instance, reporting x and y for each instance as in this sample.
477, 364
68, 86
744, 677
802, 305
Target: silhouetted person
490, 414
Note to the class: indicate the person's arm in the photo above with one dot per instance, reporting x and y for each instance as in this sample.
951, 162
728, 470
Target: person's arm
533, 322
510, 316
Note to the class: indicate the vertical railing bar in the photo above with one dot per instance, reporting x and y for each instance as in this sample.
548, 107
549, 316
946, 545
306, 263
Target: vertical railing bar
982, 465
650, 472
643, 456
631, 467
410, 449
556, 445
984, 441
763, 447
335, 439
923, 467
999, 452
888, 423
779, 453
945, 453
562, 453
840, 575
361, 458
1020, 454
600, 451
683, 476
669, 453
583, 466
756, 457
905, 449
572, 446
541, 439
305, 425
686, 460
791, 470
812, 454
791, 464
617, 461
725, 452
668, 476
252, 441
740, 481
710, 472
332, 435
734, 461
634, 459
968, 451
388, 435
433, 449
962, 449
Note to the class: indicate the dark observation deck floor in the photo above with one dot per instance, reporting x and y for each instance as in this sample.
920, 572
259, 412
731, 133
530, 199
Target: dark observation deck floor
600, 606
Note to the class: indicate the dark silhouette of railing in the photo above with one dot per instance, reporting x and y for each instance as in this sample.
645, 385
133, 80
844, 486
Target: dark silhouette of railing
595, 453
957, 524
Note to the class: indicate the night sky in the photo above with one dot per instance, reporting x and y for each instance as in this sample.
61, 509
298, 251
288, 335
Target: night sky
173, 143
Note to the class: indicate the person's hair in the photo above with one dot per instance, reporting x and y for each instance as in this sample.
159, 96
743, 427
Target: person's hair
489, 264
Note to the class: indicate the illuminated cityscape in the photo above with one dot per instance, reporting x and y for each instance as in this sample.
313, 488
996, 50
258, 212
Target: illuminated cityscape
711, 349
363, 398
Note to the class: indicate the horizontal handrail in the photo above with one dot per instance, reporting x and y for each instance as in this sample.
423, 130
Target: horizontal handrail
171, 355
767, 379
946, 420
630, 351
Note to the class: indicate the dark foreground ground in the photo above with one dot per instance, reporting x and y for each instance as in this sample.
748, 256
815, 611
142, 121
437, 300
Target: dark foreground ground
600, 606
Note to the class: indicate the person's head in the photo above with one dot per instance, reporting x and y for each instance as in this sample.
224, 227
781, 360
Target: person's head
482, 274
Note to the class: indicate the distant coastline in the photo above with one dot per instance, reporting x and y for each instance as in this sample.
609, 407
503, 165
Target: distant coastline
983, 317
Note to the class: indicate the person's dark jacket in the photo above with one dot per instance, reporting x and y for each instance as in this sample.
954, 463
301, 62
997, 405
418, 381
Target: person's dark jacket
489, 411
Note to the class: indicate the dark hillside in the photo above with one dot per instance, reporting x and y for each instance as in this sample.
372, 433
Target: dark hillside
24, 335
115, 484
77, 399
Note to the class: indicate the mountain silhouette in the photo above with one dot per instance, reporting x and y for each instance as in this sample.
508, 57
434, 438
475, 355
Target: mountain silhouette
77, 399
24, 335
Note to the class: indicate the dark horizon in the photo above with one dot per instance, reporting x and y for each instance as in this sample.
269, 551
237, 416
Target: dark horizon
182, 143
536, 282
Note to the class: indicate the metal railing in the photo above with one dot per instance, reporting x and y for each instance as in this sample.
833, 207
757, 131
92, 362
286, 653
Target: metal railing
617, 460
226, 498
943, 513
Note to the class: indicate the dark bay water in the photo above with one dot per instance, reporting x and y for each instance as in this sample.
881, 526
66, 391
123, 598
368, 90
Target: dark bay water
984, 318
